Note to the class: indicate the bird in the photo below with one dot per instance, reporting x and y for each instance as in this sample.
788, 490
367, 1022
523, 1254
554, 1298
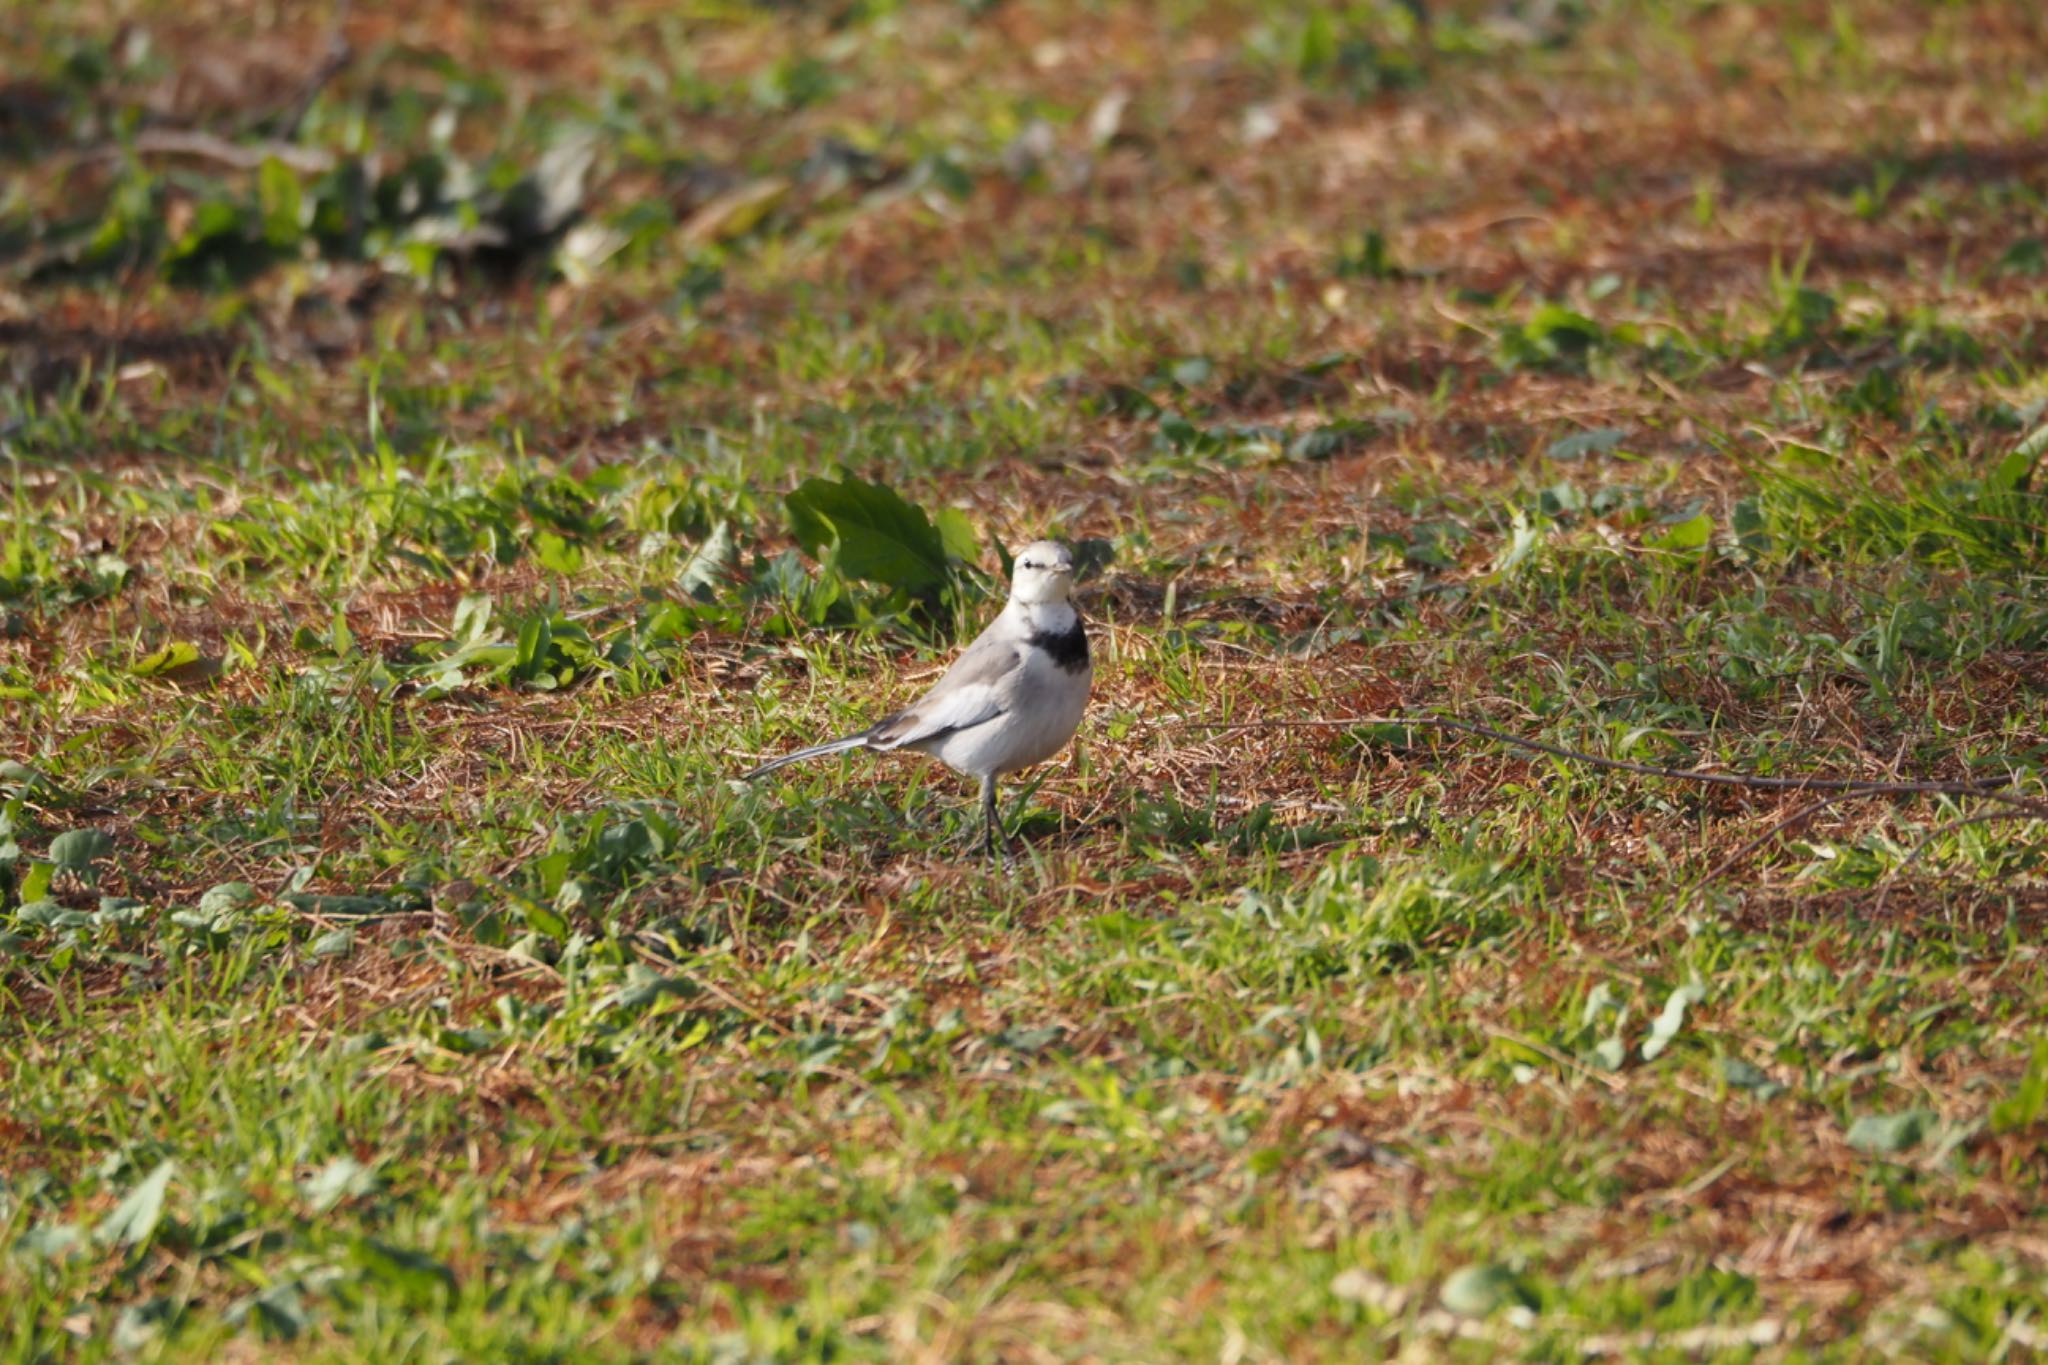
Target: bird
1013, 698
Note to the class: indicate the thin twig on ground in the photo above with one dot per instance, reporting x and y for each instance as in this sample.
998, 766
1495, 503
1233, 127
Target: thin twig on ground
1777, 827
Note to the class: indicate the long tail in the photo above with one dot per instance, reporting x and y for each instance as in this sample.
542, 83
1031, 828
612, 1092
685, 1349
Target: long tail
837, 746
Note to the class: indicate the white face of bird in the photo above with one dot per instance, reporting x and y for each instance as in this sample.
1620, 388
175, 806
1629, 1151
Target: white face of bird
1043, 572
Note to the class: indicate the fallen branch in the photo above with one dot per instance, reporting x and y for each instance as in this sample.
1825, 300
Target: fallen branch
1779, 827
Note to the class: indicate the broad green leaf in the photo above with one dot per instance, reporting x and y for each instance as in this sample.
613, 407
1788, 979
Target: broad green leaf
2014, 471
333, 943
2011, 473
945, 174
2027, 256
278, 1310
1890, 1134
134, 1219
472, 617
109, 572
708, 564
880, 538
227, 896
1558, 324
281, 204
556, 554
1316, 48
49, 1241
2029, 1100
532, 649
1691, 534
1751, 527
78, 850
311, 903
644, 985
413, 1274
543, 920
141, 1324
1523, 541
1580, 444
1331, 439
666, 622
467, 1042
1474, 1291
166, 661
342, 1178
199, 922
210, 219
1383, 735
956, 533
123, 911
552, 868
48, 914
1745, 1075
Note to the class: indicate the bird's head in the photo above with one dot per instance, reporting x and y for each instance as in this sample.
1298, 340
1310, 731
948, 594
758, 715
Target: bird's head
1043, 572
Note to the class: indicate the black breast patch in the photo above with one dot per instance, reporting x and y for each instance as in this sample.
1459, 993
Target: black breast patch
1068, 649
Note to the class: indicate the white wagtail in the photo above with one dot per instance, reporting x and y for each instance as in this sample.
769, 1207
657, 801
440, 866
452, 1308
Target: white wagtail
1013, 698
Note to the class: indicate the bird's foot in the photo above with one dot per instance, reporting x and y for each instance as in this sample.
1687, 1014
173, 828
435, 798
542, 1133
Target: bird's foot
989, 846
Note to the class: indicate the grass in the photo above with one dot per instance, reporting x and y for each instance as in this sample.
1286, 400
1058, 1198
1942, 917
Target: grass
407, 536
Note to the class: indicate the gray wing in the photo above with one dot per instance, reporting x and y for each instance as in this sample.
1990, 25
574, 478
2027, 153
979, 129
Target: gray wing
974, 691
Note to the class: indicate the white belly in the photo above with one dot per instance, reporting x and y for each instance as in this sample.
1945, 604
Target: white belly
1045, 710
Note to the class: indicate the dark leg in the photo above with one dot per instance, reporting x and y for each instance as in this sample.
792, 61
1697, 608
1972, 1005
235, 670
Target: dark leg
988, 814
